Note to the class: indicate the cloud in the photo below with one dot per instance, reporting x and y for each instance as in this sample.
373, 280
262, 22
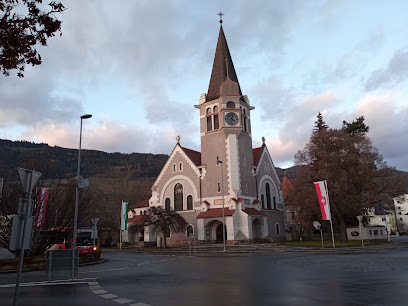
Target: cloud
297, 123
394, 73
388, 122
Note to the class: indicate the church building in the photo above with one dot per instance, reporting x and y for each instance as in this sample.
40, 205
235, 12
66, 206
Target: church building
227, 170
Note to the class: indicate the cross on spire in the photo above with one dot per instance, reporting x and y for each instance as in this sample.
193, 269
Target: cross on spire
220, 14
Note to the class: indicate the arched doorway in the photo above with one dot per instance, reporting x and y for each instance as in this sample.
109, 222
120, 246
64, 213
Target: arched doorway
257, 229
218, 233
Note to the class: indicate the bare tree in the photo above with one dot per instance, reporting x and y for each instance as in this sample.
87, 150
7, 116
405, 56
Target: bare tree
356, 173
21, 34
163, 221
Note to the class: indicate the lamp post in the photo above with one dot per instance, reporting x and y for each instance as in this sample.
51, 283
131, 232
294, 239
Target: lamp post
360, 219
222, 193
74, 234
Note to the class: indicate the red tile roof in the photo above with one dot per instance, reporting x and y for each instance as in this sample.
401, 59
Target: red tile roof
144, 203
237, 201
253, 212
257, 153
135, 219
193, 155
216, 212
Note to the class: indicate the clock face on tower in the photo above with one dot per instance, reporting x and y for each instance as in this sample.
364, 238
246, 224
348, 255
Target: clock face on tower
231, 118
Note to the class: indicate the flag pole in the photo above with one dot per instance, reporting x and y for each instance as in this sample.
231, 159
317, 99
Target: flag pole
331, 223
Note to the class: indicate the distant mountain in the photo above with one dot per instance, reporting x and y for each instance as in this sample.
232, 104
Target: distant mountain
57, 163
289, 172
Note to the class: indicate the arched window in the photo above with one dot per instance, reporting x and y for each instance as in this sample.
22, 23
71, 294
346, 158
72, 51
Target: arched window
189, 202
174, 168
268, 196
277, 229
178, 197
218, 187
262, 201
215, 109
208, 111
216, 122
190, 230
181, 166
140, 212
230, 104
244, 120
167, 204
274, 202
209, 124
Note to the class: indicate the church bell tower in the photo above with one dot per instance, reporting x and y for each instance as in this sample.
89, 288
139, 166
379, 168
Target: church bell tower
225, 128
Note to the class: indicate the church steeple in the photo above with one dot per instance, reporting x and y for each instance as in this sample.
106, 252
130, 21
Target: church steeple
223, 80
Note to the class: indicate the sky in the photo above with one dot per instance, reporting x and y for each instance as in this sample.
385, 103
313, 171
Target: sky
140, 66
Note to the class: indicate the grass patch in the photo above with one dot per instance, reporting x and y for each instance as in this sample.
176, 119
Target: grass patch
338, 244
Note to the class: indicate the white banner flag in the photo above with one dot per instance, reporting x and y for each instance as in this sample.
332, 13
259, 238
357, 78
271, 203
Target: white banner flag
124, 216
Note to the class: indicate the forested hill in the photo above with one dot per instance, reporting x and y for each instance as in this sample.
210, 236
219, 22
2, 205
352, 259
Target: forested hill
56, 162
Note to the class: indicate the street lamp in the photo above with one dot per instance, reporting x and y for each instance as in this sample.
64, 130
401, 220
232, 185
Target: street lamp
360, 219
74, 234
222, 192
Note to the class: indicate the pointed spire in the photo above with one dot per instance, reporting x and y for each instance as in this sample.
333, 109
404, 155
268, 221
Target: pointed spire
223, 80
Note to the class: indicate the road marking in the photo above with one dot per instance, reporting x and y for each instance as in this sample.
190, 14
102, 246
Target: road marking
99, 291
140, 304
106, 270
122, 301
143, 263
94, 287
52, 283
108, 296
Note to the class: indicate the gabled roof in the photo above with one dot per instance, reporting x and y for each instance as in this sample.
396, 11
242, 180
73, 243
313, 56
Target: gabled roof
216, 212
193, 155
257, 153
223, 70
142, 204
135, 219
253, 212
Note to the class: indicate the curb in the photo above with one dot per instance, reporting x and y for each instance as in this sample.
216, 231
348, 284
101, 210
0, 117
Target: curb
101, 260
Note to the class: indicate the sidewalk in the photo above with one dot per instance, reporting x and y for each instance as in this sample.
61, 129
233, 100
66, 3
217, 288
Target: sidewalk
213, 249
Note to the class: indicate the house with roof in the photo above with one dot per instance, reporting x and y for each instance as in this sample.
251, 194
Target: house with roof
228, 179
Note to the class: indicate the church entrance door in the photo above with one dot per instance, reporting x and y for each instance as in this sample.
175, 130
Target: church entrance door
218, 234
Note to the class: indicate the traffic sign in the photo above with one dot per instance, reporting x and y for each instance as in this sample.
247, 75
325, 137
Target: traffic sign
94, 220
28, 178
317, 225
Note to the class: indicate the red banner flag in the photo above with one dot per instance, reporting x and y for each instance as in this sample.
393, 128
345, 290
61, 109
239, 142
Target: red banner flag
41, 207
322, 195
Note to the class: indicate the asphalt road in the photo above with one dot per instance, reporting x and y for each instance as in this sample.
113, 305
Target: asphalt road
302, 278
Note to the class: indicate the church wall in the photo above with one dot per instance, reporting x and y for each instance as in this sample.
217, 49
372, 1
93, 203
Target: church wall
211, 147
248, 181
187, 176
275, 217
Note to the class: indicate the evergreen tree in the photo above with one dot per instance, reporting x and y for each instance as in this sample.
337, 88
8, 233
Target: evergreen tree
356, 174
356, 127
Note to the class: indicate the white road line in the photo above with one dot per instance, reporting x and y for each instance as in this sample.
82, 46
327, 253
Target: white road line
99, 291
108, 296
52, 283
143, 263
106, 270
123, 301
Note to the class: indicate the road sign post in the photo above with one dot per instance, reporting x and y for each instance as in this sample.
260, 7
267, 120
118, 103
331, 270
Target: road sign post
23, 224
